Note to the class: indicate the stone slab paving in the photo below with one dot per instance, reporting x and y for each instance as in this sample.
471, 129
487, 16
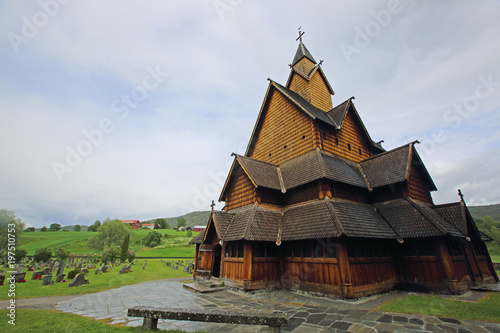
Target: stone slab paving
306, 313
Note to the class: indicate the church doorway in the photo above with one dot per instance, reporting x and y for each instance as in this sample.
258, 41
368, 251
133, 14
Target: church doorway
217, 258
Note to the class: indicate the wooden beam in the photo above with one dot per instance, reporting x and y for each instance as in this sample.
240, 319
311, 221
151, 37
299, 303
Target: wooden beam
449, 271
247, 265
345, 274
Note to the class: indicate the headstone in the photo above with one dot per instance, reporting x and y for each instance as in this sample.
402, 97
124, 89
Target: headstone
185, 269
60, 278
37, 275
46, 280
2, 280
79, 280
144, 266
104, 269
97, 271
85, 270
125, 269
20, 277
47, 270
60, 270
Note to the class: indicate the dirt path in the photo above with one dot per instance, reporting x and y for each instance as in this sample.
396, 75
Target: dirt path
39, 303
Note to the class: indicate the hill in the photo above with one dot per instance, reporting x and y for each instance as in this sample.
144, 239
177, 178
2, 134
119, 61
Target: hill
492, 211
192, 219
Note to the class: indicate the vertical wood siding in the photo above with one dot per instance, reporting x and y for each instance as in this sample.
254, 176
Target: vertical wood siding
232, 268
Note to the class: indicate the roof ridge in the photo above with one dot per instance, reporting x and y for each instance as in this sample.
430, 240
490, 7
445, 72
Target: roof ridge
436, 224
321, 162
280, 177
390, 151
250, 220
335, 217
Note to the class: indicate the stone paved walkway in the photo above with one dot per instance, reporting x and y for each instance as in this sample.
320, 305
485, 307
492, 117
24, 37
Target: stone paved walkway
306, 313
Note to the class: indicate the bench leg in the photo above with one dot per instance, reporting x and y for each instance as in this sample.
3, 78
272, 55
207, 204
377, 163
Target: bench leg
150, 324
274, 329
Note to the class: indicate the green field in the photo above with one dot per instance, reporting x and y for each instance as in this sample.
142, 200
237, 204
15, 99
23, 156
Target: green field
174, 245
154, 270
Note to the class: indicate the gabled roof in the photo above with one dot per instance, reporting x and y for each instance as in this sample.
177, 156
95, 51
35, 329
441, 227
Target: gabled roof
317, 165
453, 213
339, 113
330, 218
394, 166
308, 76
413, 219
220, 221
302, 52
253, 223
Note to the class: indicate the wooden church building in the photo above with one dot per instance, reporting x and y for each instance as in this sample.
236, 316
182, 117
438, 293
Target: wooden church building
315, 204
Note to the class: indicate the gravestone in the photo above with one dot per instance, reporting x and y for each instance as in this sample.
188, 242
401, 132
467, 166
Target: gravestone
47, 270
60, 278
46, 280
79, 280
60, 270
97, 271
85, 271
37, 274
19, 277
2, 280
104, 269
125, 269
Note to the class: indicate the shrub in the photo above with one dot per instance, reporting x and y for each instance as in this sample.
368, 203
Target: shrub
43, 254
72, 274
189, 233
152, 239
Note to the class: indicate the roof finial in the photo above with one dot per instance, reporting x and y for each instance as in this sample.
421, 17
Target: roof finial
300, 35
461, 195
320, 62
212, 205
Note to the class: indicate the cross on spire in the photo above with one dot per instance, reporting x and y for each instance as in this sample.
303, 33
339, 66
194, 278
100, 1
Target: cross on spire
461, 195
300, 35
212, 205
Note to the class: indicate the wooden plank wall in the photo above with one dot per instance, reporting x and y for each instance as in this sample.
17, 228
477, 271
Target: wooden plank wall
422, 269
265, 269
337, 141
373, 271
460, 267
417, 188
232, 268
320, 95
285, 132
312, 270
241, 192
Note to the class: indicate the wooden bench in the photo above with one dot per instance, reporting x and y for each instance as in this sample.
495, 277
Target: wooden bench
152, 314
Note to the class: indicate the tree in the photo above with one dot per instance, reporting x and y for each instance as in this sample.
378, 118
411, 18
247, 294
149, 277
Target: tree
124, 249
55, 227
152, 239
20, 254
181, 222
110, 233
163, 223
42, 254
77, 228
112, 252
189, 233
11, 228
61, 254
29, 229
44, 228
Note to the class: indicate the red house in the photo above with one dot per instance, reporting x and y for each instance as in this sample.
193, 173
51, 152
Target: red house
198, 228
134, 223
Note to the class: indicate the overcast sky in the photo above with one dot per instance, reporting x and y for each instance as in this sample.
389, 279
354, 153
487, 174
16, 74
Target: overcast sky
131, 109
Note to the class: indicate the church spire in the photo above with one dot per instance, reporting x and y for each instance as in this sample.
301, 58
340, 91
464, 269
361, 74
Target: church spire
302, 51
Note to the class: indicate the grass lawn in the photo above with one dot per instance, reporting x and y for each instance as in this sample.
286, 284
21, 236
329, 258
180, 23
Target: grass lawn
175, 251
495, 257
155, 270
36, 321
488, 309
175, 244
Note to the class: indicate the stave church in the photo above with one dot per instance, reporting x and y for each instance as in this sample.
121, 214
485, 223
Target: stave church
315, 204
